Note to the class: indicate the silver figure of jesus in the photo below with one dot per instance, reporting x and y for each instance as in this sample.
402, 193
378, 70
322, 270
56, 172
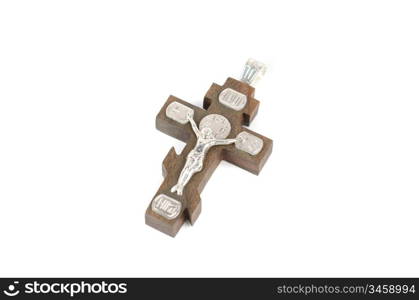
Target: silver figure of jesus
195, 159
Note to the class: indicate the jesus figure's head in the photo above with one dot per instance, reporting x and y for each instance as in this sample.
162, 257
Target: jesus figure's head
207, 133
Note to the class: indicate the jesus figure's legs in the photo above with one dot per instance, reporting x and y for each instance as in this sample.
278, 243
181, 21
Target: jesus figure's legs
193, 165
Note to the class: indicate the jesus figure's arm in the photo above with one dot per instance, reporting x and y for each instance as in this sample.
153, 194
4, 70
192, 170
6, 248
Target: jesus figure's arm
224, 141
193, 124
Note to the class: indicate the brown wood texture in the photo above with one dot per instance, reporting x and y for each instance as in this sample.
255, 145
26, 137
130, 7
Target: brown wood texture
173, 163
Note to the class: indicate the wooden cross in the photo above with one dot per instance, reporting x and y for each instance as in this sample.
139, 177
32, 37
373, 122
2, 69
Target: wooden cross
225, 111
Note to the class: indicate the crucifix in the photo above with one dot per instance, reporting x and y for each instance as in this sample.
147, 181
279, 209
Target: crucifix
213, 133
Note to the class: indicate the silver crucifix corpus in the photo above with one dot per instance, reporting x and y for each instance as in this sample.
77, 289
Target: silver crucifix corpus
195, 159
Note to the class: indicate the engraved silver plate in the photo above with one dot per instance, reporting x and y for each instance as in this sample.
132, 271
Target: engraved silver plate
166, 206
249, 143
219, 125
232, 99
178, 112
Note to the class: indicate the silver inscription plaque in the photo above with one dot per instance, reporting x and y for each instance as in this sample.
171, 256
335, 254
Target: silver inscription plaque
166, 206
249, 143
218, 124
178, 112
232, 99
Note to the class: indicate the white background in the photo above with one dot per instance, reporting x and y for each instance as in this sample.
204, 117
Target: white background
82, 81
